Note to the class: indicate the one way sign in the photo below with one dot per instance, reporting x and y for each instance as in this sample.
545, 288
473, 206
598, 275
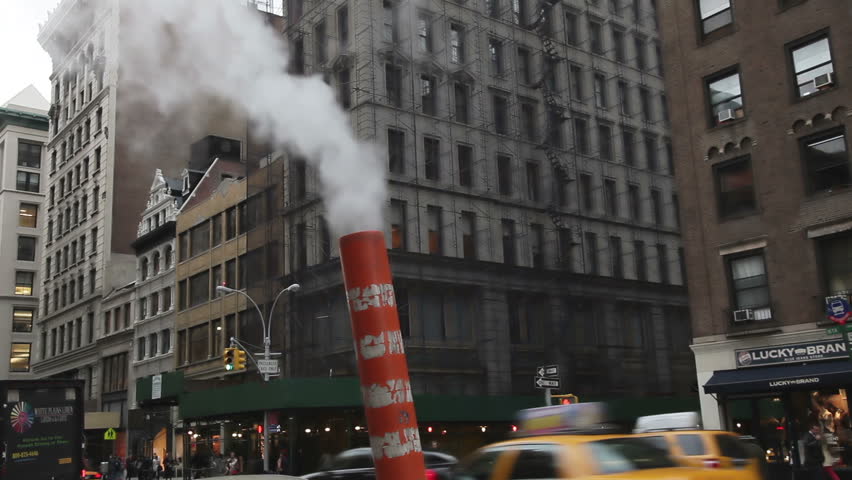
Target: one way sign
546, 382
547, 371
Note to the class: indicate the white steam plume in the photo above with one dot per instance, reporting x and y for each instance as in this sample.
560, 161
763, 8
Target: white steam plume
179, 51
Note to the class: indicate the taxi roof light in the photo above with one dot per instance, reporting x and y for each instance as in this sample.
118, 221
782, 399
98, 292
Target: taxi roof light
668, 421
577, 418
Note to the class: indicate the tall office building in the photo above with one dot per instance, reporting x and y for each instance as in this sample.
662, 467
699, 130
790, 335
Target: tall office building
23, 135
532, 215
761, 114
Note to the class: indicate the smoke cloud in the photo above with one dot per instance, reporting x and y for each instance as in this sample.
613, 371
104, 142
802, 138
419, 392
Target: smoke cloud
179, 53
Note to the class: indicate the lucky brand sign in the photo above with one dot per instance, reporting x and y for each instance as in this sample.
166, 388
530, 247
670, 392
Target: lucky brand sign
793, 353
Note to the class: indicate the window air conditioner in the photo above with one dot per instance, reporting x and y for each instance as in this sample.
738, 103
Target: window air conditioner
725, 115
823, 81
743, 315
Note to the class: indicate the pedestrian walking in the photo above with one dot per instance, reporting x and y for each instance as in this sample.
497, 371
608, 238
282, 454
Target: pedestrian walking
233, 464
814, 456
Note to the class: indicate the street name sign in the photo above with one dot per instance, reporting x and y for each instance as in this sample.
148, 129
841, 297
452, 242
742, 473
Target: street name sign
541, 382
267, 367
547, 371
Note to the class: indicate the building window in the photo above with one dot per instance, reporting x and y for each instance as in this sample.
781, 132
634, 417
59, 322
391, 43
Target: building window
537, 245
726, 98
465, 159
22, 319
468, 220
533, 181
344, 88
140, 349
627, 142
231, 273
645, 104
504, 175
29, 154
640, 260
656, 206
836, 259
715, 14
641, 59
519, 12
610, 197
456, 43
554, 128
461, 96
230, 228
623, 98
427, 94
735, 187
813, 66
28, 215
28, 181
581, 135
501, 114
198, 343
529, 125
398, 224
586, 192
596, 37
566, 248
575, 78
96, 198
343, 26
524, 66
199, 238
615, 254
165, 341
320, 43
634, 202
508, 231
826, 161
663, 263
24, 283
432, 161
324, 240
591, 239
19, 360
143, 269
182, 357
651, 161
390, 32
492, 8
199, 289
424, 32
605, 142
495, 50
571, 28
299, 249
600, 91
434, 215
26, 248
298, 179
215, 226
393, 84
396, 151
749, 284
618, 45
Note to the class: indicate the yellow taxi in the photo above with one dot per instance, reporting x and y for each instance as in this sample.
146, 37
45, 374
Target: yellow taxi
681, 434
571, 442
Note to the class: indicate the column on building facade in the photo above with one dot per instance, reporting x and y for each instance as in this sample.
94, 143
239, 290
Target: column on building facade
493, 335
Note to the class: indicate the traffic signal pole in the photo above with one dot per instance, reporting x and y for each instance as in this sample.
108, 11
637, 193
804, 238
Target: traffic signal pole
379, 350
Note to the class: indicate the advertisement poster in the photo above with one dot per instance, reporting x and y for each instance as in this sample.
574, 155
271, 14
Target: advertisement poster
42, 435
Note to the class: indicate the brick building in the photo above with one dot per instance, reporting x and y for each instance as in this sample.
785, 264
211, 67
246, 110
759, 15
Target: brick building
760, 100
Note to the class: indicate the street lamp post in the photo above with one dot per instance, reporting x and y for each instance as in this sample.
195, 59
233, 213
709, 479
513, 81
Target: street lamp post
267, 332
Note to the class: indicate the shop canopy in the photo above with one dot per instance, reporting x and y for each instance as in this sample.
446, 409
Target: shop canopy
781, 378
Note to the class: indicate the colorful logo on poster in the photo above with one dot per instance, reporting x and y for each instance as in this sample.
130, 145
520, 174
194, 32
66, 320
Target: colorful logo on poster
838, 309
22, 417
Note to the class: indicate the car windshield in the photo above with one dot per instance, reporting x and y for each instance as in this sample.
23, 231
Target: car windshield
618, 455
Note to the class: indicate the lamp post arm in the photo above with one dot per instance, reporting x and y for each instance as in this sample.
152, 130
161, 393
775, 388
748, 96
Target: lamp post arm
274, 303
259, 314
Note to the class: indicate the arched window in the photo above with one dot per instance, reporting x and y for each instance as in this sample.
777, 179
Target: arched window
155, 263
144, 268
168, 256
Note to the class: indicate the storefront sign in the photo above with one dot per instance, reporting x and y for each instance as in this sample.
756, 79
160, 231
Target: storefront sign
793, 353
156, 387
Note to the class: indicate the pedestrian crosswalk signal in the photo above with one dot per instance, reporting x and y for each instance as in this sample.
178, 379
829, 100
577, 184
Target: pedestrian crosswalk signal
239, 359
228, 358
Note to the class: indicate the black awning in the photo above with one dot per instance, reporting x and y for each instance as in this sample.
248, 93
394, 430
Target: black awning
781, 378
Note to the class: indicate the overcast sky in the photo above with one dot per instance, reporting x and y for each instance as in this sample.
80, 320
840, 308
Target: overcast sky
24, 62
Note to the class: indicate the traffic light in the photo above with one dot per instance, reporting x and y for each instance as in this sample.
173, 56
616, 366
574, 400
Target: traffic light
239, 359
567, 399
228, 358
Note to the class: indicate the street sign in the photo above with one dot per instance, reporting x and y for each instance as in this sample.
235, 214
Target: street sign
836, 330
547, 371
541, 382
156, 387
109, 434
267, 367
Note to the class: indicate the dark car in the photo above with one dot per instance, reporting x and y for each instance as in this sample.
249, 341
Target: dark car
357, 464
